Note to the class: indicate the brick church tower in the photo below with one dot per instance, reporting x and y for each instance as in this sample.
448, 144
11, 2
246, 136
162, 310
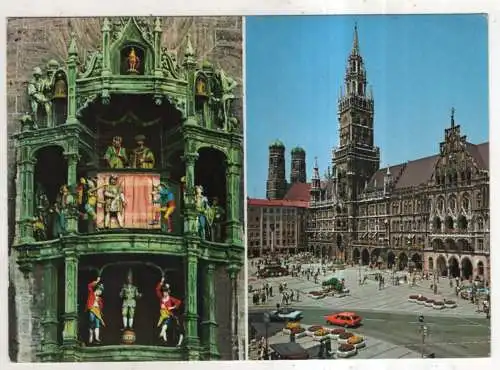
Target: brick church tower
276, 182
298, 170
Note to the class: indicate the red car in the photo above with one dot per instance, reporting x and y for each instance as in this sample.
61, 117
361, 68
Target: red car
345, 319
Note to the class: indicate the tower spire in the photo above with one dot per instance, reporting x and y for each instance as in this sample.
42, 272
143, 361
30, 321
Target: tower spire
452, 117
355, 41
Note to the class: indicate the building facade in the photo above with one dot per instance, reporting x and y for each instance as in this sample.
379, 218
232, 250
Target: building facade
276, 226
93, 215
430, 214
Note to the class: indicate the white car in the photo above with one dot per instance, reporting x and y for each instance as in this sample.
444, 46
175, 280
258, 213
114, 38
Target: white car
284, 314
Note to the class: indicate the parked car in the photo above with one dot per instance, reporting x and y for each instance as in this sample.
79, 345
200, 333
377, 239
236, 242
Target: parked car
273, 272
345, 319
285, 314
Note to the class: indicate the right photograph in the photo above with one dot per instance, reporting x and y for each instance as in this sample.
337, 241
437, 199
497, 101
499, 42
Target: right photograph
368, 231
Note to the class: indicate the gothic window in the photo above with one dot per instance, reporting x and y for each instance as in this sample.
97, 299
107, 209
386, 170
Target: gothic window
479, 201
480, 224
440, 204
452, 204
480, 245
448, 222
469, 176
466, 203
436, 223
462, 222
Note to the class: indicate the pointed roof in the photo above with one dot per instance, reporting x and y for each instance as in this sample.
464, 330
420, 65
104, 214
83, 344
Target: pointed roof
355, 41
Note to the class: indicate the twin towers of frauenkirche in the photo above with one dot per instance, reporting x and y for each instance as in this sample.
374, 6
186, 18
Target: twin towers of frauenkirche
355, 158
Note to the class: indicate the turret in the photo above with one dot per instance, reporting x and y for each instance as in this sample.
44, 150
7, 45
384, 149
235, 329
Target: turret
276, 181
298, 170
315, 182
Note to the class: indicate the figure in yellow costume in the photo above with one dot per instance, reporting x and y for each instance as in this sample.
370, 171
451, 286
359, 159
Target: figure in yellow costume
143, 157
133, 61
166, 201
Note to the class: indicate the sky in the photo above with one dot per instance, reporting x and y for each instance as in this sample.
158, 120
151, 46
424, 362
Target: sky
420, 66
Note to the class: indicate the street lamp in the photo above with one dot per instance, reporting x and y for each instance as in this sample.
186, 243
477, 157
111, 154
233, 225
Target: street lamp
423, 332
266, 322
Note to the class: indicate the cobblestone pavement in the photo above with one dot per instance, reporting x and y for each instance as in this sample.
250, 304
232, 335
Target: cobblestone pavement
368, 296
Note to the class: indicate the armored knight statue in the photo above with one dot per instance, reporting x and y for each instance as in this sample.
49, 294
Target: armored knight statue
168, 306
227, 85
164, 198
129, 294
116, 155
95, 305
114, 203
142, 156
37, 96
202, 210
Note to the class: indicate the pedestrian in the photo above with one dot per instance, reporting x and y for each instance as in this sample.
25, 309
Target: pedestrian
270, 290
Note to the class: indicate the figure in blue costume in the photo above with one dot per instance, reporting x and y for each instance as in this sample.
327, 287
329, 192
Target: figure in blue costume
202, 209
163, 197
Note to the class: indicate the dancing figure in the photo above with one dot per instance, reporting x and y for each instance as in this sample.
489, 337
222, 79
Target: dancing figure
95, 305
163, 197
168, 305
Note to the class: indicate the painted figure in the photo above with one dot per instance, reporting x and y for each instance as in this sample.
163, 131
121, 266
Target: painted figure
129, 294
114, 202
163, 197
91, 206
60, 211
215, 219
36, 92
95, 305
202, 210
39, 228
142, 157
133, 61
168, 306
116, 155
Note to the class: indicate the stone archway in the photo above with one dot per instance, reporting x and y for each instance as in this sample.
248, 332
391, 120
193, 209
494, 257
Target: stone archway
402, 261
467, 269
417, 260
356, 255
441, 268
391, 258
480, 268
454, 267
464, 246
430, 264
374, 257
365, 257
450, 245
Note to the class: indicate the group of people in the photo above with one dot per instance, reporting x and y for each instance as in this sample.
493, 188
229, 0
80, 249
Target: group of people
168, 313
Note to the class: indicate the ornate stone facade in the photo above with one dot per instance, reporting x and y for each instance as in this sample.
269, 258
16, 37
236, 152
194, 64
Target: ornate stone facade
431, 213
128, 86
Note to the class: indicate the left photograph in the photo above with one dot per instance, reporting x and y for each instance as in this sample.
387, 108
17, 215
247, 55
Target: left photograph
126, 198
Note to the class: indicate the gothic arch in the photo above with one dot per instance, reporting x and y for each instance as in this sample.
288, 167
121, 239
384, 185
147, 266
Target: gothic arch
365, 257
436, 223
466, 267
448, 222
480, 268
441, 268
454, 266
462, 223
430, 264
356, 255
417, 260
33, 152
403, 260
391, 258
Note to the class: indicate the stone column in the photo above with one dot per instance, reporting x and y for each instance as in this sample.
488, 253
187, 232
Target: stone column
209, 322
50, 320
189, 211
192, 338
233, 178
70, 333
233, 271
25, 199
72, 217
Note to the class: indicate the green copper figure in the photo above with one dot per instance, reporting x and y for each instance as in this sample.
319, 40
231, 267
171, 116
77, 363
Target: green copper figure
215, 217
36, 93
129, 294
116, 155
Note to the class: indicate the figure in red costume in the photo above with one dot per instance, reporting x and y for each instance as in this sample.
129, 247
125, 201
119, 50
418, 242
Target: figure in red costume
95, 305
168, 305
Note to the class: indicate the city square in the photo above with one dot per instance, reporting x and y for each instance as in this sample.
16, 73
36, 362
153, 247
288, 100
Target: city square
390, 322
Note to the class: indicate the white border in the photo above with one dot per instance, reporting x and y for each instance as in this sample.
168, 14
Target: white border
250, 7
